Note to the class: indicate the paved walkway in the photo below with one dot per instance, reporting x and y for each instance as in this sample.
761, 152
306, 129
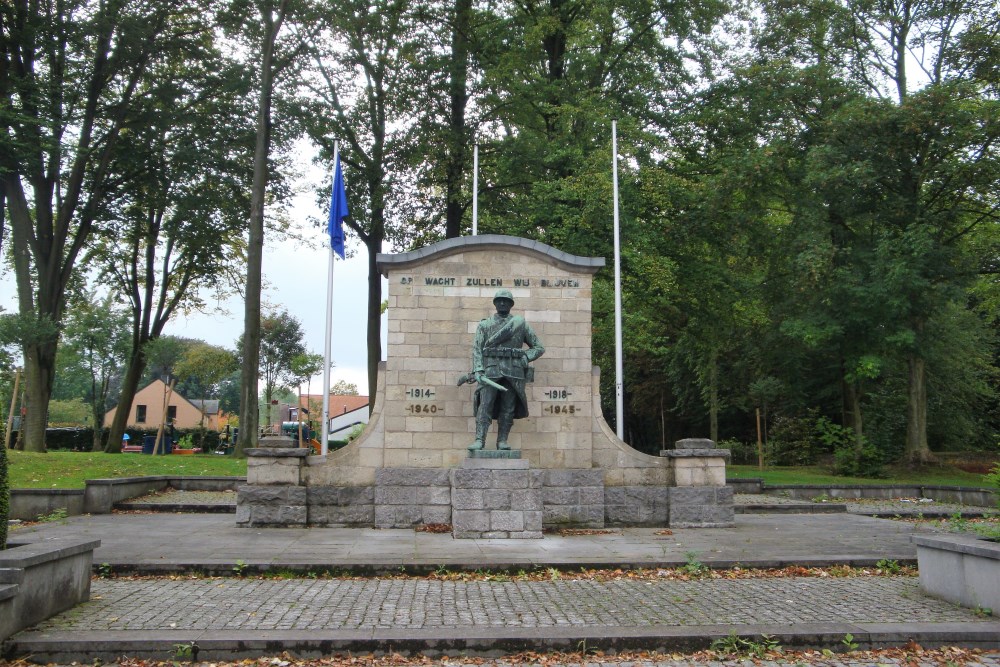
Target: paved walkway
212, 543
234, 617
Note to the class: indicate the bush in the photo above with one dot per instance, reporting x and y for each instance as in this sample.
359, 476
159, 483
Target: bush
742, 453
848, 459
793, 441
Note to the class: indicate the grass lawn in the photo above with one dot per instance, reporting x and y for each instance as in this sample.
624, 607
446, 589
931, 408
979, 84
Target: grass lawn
930, 476
69, 470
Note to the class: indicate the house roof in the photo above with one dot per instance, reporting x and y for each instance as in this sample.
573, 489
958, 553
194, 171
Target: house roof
211, 404
338, 404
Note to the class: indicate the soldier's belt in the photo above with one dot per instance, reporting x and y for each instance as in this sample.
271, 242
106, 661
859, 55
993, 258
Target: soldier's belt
502, 353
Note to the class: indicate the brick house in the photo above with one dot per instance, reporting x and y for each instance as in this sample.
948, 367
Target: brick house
147, 410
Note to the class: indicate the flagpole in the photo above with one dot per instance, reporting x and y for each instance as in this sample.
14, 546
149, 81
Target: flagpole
324, 443
475, 189
619, 364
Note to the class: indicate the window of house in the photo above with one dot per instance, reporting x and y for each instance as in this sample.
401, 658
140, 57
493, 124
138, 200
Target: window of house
171, 413
140, 414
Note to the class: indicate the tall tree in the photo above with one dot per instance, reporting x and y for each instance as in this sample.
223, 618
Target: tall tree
97, 335
258, 24
282, 353
178, 227
70, 73
369, 115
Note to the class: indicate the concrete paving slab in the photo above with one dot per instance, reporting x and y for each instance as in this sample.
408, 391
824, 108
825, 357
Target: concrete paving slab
186, 541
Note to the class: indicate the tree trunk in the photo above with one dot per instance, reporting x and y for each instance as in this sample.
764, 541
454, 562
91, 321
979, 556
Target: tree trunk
458, 142
130, 385
374, 325
852, 403
917, 451
97, 414
39, 373
249, 413
713, 397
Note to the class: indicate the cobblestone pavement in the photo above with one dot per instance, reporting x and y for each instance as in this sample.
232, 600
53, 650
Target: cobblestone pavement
179, 497
320, 604
901, 506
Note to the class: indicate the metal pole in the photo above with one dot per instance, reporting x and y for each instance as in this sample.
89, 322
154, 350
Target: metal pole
619, 364
325, 431
475, 189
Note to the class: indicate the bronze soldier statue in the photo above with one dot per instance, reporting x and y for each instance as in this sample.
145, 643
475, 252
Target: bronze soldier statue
500, 367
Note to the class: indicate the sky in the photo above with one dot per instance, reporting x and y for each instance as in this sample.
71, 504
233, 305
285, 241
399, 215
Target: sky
295, 279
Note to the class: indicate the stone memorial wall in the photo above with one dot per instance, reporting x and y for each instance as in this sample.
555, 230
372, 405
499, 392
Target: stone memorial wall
402, 470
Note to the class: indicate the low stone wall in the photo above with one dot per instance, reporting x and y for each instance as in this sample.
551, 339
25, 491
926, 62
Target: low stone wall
40, 579
99, 496
980, 497
407, 497
636, 506
961, 569
573, 498
30, 504
496, 498
341, 506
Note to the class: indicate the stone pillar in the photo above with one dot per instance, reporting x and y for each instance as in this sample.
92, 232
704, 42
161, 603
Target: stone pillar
274, 494
496, 498
699, 497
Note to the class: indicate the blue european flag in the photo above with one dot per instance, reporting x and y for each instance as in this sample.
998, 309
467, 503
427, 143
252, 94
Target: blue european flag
338, 211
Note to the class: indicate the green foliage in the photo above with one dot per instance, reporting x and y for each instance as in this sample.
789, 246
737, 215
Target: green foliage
793, 441
850, 458
694, 567
73, 412
889, 566
105, 571
732, 645
994, 478
58, 515
240, 568
4, 494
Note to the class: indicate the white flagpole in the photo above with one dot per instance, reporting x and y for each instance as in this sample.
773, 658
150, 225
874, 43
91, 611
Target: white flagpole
619, 390
324, 443
475, 189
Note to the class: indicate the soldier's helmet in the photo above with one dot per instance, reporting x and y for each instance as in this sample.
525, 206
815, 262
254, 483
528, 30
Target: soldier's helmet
503, 294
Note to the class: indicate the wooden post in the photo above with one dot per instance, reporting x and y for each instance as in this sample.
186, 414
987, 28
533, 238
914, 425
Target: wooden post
760, 445
13, 407
163, 416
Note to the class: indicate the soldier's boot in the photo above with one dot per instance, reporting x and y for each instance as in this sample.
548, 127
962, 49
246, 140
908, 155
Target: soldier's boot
481, 428
503, 430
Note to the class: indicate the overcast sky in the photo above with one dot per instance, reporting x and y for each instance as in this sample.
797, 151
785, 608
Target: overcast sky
295, 278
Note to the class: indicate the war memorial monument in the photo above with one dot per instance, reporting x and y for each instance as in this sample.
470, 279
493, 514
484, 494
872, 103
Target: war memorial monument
456, 374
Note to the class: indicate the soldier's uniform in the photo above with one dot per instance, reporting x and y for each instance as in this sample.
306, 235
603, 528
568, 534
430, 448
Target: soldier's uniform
498, 353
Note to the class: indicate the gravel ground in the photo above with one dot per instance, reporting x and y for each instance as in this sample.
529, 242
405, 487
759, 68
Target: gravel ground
177, 497
901, 506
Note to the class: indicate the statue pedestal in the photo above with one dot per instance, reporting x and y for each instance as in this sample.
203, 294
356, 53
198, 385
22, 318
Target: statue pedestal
699, 497
274, 494
496, 498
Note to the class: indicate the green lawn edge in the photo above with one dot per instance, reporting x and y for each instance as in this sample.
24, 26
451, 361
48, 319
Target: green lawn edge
71, 470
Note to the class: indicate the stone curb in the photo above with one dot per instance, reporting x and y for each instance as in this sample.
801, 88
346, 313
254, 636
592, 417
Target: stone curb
188, 508
393, 566
216, 645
